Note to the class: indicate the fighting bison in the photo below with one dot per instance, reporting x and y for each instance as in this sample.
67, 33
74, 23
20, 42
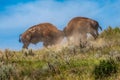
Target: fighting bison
78, 27
44, 32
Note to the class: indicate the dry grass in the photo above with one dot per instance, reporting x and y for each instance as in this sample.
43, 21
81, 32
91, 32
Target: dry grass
65, 62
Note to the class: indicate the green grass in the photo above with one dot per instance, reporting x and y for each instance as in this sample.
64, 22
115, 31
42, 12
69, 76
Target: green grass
68, 63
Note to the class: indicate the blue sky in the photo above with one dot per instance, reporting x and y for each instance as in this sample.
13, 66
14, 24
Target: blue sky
18, 15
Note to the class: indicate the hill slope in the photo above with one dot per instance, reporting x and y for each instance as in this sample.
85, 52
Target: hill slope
100, 60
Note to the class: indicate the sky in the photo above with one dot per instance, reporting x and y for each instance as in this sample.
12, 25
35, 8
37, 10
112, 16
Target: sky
16, 16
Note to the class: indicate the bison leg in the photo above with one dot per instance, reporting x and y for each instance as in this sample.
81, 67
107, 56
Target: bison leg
45, 44
25, 45
84, 36
83, 39
97, 33
94, 35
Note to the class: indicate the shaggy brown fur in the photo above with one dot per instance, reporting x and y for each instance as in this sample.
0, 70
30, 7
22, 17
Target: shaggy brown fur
44, 32
80, 26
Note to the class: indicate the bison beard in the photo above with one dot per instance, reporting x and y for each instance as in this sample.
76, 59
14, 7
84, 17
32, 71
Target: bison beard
44, 32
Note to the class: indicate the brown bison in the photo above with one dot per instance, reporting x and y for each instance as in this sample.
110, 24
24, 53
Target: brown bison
80, 26
44, 32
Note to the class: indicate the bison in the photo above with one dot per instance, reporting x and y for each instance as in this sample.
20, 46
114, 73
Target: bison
44, 32
78, 28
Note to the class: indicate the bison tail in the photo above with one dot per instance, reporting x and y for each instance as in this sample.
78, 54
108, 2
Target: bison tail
20, 37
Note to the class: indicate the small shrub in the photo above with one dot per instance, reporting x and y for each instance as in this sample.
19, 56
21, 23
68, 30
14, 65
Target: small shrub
105, 69
6, 71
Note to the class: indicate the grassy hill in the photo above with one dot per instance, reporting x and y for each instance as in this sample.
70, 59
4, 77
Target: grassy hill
99, 60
